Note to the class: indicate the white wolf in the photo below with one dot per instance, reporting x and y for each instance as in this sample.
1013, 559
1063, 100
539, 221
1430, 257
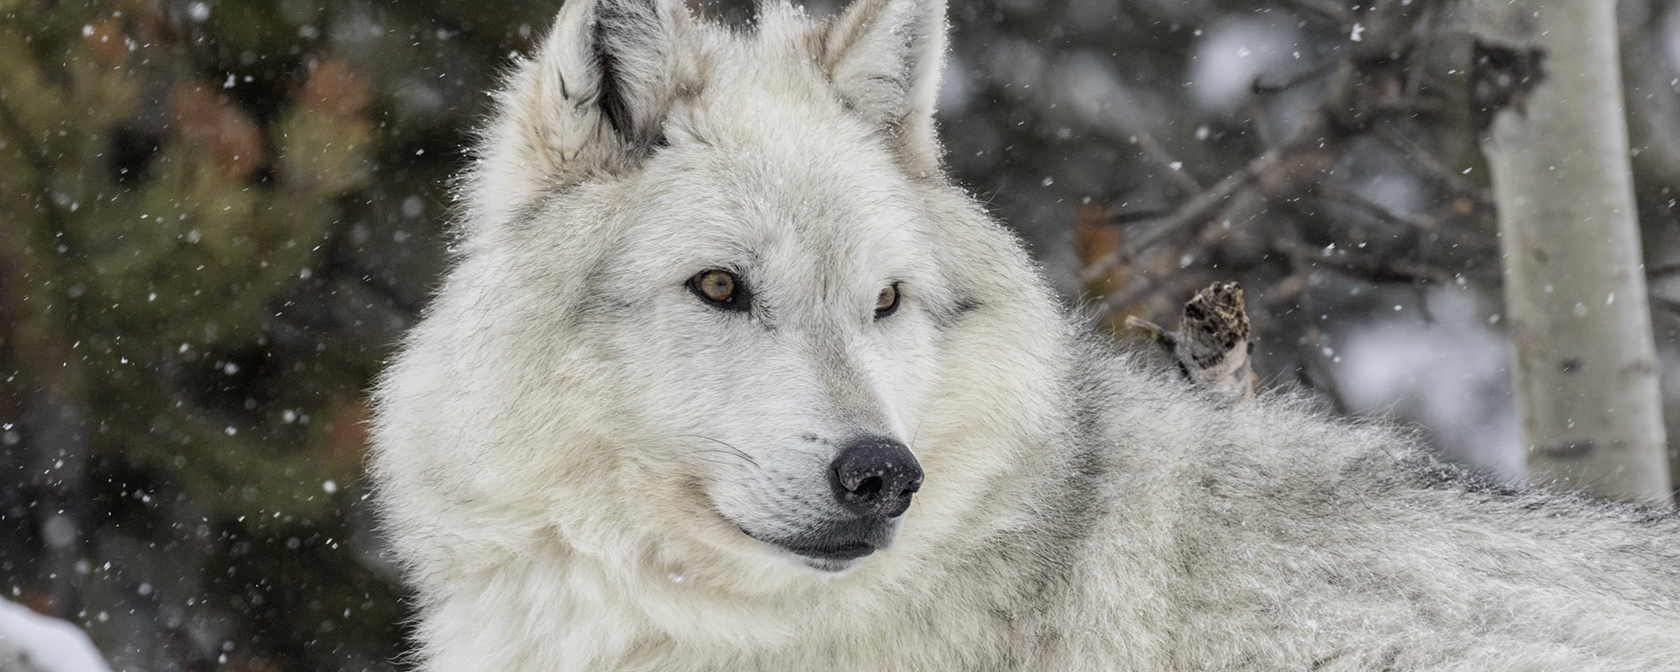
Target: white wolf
729, 376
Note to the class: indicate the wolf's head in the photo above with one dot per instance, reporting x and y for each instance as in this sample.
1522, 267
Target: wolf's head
718, 314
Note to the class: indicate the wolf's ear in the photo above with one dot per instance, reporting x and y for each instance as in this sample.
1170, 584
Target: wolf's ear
884, 58
594, 97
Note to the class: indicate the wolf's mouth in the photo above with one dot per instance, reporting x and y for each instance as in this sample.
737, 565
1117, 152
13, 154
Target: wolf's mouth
847, 551
835, 547
819, 550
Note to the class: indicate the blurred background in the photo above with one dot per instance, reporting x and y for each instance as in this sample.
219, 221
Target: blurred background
218, 216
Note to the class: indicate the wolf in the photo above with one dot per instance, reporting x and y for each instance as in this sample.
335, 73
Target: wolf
729, 375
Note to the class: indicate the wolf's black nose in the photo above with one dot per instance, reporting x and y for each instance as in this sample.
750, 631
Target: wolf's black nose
875, 476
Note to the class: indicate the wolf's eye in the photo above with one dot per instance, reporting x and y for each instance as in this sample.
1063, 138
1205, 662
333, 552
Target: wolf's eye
887, 301
720, 288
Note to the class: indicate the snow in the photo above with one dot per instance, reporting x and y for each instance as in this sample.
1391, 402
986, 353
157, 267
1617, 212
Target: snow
1093, 88
1232, 53
956, 90
30, 642
1451, 376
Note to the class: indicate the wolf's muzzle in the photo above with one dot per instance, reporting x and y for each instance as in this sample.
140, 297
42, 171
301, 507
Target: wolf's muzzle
872, 480
875, 476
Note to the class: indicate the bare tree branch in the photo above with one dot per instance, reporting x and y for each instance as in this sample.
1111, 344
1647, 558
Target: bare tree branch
1370, 267
1367, 83
1194, 212
1420, 160
1261, 123
1347, 197
1175, 168
1327, 9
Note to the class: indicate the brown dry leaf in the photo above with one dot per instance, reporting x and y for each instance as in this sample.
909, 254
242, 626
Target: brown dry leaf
332, 89
347, 435
147, 18
323, 141
1095, 237
105, 39
260, 664
218, 128
38, 601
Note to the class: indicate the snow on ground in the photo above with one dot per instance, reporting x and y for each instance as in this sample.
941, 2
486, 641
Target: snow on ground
30, 642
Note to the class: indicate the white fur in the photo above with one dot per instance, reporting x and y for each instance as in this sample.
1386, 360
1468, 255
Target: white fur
570, 444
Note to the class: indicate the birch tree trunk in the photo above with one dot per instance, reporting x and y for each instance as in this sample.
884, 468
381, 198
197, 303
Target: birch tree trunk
1546, 97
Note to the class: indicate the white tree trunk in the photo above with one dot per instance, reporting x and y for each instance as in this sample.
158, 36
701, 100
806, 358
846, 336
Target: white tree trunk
1546, 89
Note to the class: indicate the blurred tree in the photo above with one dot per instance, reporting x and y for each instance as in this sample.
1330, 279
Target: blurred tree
1546, 93
173, 426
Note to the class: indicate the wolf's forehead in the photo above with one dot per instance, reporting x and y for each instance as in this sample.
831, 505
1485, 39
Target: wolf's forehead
772, 165
783, 114
777, 212
828, 230
787, 174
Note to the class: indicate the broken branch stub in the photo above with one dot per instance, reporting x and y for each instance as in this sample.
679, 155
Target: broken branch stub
1213, 341
1211, 344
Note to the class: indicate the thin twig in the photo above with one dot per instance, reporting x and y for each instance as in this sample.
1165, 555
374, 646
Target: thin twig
1664, 303
1261, 123
1412, 224
1198, 209
1416, 74
1154, 332
1427, 164
1139, 287
1374, 209
1368, 267
1262, 87
1175, 168
1662, 269
1130, 216
1326, 9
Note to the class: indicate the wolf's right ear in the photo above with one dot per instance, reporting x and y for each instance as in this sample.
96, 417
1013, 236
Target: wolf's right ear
594, 97
884, 58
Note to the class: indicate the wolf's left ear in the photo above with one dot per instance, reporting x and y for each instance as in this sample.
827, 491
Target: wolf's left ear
594, 97
884, 58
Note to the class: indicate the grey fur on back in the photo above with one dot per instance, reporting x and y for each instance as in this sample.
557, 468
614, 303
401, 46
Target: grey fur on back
1346, 546
571, 446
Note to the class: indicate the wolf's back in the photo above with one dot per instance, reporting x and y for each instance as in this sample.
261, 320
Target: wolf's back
1290, 538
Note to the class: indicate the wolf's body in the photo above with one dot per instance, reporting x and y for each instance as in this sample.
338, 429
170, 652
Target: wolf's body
582, 444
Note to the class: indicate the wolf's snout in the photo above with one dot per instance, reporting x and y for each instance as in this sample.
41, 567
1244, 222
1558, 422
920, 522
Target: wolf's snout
876, 476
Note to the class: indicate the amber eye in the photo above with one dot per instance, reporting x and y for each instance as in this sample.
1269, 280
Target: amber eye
887, 301
720, 288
